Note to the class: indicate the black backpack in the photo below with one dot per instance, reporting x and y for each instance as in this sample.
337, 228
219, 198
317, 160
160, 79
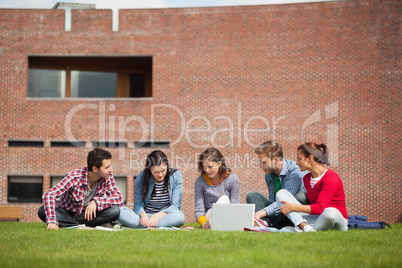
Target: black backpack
360, 222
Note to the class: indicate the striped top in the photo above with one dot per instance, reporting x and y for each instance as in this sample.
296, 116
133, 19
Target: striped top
313, 181
159, 199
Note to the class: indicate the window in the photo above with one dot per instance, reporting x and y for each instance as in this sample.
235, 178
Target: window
109, 144
89, 77
25, 189
80, 144
47, 83
121, 183
87, 84
25, 143
55, 180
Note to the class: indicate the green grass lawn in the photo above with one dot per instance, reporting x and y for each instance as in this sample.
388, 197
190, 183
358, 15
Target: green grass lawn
32, 245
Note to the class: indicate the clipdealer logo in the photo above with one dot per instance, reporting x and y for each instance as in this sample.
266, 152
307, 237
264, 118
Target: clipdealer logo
219, 131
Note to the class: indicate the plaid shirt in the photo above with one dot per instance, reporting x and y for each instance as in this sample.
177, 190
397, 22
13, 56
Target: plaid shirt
291, 179
70, 194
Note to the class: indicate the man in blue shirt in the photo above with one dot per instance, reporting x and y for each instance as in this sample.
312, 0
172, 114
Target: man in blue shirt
280, 173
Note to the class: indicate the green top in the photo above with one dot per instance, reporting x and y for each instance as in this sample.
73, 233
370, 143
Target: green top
277, 183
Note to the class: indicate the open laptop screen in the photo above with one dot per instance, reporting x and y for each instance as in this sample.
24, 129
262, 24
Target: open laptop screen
232, 217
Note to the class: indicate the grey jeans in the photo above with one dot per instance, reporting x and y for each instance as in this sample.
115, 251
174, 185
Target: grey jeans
330, 218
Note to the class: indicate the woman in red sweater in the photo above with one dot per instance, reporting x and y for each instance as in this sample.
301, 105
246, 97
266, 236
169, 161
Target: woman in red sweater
324, 189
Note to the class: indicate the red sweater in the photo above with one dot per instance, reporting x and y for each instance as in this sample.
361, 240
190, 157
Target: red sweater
327, 192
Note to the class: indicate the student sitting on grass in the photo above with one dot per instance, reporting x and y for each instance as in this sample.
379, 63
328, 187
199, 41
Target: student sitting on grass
87, 195
217, 184
280, 173
327, 209
158, 193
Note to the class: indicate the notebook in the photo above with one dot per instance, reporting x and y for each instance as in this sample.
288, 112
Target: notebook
232, 217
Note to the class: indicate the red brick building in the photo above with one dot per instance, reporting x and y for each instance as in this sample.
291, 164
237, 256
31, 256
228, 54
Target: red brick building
187, 79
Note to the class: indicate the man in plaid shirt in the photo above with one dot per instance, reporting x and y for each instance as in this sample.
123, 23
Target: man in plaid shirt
280, 173
87, 195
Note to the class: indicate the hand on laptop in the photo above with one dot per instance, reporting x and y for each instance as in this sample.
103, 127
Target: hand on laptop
206, 225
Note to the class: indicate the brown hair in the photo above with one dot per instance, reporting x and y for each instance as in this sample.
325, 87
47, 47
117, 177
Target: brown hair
271, 149
96, 157
318, 151
213, 155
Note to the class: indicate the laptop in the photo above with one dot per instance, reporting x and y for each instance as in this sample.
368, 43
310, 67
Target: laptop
232, 217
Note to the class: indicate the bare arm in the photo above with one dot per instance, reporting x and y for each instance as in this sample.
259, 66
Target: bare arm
260, 214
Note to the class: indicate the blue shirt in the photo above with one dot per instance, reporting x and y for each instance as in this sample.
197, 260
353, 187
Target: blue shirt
175, 192
291, 180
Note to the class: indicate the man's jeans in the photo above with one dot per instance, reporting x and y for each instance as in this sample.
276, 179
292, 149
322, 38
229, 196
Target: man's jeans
67, 218
278, 221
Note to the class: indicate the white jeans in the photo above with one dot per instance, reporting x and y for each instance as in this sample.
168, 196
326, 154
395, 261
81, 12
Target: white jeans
224, 199
330, 218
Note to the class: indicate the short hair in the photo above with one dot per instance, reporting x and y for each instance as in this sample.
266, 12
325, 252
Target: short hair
271, 148
318, 151
96, 156
213, 155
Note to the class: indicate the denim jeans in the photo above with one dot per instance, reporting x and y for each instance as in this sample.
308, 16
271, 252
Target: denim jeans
130, 219
261, 201
67, 218
330, 218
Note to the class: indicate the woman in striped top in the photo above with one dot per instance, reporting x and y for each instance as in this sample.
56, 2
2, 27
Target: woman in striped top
158, 193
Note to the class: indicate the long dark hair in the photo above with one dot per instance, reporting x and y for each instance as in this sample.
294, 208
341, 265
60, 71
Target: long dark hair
213, 155
156, 158
318, 151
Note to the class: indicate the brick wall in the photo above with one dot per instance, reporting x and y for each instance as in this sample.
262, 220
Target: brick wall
327, 72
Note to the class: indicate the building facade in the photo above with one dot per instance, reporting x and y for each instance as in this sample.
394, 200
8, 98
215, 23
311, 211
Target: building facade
183, 80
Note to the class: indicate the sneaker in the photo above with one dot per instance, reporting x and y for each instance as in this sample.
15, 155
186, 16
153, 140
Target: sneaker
107, 225
84, 227
293, 229
120, 226
308, 228
260, 223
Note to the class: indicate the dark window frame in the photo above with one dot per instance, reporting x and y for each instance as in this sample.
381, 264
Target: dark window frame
14, 192
25, 143
109, 144
79, 144
125, 180
124, 66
